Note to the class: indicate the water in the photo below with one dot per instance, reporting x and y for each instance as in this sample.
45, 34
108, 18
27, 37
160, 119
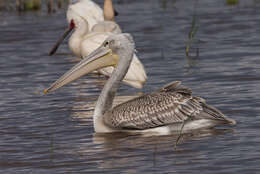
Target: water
54, 133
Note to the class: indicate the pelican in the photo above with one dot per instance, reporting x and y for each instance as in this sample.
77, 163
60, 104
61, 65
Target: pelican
91, 32
161, 112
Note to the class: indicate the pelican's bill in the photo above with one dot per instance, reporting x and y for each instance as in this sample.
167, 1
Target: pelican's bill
100, 58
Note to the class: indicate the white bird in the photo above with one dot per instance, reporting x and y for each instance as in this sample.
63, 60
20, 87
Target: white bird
171, 108
90, 33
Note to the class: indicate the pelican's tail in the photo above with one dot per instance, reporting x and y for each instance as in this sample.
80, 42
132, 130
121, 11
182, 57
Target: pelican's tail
214, 114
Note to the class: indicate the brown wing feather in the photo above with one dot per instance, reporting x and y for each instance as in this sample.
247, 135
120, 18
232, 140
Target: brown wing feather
170, 104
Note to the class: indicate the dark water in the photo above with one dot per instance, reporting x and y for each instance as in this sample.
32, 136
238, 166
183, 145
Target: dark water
54, 133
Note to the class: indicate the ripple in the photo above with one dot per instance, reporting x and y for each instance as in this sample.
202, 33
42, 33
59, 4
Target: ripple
54, 133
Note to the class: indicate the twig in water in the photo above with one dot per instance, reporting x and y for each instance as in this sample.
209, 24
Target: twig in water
193, 30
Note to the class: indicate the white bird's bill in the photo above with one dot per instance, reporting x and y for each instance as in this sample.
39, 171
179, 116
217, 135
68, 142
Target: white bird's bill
66, 33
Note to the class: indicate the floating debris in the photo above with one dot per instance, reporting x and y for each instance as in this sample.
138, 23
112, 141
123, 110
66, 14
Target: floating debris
232, 2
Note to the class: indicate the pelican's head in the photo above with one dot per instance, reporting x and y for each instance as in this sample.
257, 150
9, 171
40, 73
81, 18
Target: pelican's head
108, 54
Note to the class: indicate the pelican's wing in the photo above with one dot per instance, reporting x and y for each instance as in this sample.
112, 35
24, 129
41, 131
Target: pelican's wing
170, 104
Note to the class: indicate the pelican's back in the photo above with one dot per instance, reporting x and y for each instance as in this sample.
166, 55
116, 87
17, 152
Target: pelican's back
172, 104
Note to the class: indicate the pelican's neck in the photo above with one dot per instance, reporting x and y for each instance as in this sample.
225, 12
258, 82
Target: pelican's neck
107, 95
77, 37
109, 13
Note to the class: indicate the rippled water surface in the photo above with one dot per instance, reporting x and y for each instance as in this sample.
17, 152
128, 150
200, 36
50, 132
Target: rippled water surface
54, 133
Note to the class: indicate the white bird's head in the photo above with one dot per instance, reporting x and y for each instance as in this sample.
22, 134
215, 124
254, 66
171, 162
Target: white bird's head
75, 21
82, 15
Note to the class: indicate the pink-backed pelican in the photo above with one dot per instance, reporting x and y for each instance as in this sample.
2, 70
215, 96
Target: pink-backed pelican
161, 112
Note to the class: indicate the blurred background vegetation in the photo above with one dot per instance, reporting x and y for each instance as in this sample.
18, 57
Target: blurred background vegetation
52, 5
33, 5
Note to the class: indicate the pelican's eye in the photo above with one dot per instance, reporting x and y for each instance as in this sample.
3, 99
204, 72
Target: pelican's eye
106, 43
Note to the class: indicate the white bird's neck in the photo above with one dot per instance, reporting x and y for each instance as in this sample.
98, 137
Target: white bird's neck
77, 37
107, 95
109, 12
